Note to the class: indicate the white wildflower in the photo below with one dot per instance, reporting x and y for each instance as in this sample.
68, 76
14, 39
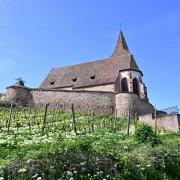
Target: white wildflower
23, 170
36, 175
39, 178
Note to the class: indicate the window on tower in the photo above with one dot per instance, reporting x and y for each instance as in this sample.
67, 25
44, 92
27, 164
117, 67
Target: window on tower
124, 85
136, 86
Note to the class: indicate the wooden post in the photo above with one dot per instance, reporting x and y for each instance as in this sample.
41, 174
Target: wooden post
128, 123
10, 117
115, 119
89, 120
135, 120
29, 121
45, 116
155, 128
93, 122
74, 119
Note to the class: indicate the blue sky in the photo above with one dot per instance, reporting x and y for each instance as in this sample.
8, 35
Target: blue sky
36, 35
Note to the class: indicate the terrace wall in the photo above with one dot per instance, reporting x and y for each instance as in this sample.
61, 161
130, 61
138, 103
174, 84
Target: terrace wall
169, 122
99, 102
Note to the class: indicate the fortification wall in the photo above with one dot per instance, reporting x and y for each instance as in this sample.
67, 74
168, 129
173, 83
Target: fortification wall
2, 96
18, 94
97, 101
171, 123
100, 102
124, 101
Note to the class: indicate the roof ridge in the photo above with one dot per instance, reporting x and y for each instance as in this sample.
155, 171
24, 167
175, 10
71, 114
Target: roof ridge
89, 62
120, 45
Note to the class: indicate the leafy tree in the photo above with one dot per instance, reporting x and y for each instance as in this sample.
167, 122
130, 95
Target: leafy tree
20, 81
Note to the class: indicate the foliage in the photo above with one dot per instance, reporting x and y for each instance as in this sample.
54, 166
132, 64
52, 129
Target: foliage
144, 134
58, 153
20, 81
108, 156
6, 104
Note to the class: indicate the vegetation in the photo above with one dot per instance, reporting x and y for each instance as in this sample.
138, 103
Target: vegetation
144, 134
6, 104
39, 144
20, 81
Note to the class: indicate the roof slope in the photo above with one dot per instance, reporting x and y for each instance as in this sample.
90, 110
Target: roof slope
93, 73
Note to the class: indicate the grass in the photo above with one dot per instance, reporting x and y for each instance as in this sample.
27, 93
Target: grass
59, 153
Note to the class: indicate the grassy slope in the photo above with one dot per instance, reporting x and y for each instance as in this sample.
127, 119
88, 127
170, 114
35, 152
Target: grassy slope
99, 155
59, 153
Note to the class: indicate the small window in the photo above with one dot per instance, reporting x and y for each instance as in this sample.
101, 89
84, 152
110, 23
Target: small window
93, 77
136, 86
124, 85
52, 82
74, 79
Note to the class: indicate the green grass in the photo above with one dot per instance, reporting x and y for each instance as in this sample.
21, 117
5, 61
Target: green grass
58, 153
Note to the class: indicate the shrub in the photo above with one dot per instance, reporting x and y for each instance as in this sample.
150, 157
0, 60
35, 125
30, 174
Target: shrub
6, 104
144, 134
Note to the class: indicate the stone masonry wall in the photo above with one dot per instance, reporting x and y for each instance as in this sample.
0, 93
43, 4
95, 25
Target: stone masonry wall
100, 102
18, 94
96, 101
170, 123
125, 101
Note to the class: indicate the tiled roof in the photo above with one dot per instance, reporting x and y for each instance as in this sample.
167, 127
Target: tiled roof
93, 73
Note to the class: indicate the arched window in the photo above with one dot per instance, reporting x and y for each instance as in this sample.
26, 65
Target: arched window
124, 85
136, 86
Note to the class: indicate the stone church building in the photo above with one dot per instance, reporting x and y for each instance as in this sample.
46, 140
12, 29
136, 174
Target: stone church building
103, 85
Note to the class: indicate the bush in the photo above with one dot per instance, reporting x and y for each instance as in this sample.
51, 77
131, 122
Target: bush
144, 134
6, 104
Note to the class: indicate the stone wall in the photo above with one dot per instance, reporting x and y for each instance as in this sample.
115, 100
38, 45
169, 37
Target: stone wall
97, 101
18, 94
100, 102
171, 123
124, 101
1, 96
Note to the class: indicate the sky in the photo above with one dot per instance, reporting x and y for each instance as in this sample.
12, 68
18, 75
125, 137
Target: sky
37, 35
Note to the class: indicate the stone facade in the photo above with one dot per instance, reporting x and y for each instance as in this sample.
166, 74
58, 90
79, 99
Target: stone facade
100, 102
124, 101
18, 94
168, 122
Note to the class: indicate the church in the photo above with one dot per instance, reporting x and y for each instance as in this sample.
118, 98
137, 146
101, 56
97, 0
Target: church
108, 84
118, 73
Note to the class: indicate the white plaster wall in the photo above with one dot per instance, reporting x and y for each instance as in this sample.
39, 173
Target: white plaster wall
66, 88
103, 88
134, 74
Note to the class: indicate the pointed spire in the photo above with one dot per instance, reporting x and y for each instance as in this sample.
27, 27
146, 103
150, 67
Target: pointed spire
120, 45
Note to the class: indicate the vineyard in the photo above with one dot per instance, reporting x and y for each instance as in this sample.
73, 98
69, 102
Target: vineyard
51, 143
31, 125
17, 119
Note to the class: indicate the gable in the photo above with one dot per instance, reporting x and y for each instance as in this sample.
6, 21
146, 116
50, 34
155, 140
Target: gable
93, 73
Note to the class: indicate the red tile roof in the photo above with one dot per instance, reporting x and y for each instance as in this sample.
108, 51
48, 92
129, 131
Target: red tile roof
104, 71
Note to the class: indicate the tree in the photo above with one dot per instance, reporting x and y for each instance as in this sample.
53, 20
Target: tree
20, 81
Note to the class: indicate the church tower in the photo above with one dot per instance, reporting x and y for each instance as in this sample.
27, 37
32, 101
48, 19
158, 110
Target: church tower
130, 76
